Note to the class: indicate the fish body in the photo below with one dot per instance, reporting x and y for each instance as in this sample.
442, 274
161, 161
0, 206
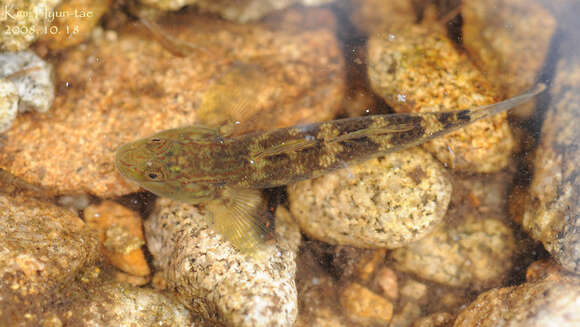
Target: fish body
198, 164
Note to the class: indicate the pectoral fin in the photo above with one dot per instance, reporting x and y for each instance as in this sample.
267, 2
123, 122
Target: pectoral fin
241, 217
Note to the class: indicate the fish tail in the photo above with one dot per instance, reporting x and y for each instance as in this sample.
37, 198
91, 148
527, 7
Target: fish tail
496, 108
439, 123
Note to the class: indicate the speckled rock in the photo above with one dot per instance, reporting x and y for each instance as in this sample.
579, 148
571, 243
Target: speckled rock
417, 69
22, 21
439, 319
43, 248
215, 280
376, 16
76, 26
121, 233
241, 11
475, 253
475, 247
42, 245
120, 304
116, 90
33, 78
509, 40
546, 303
552, 212
94, 298
384, 203
365, 307
8, 103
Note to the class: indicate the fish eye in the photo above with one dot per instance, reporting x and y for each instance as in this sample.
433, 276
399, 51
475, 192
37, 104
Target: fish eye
155, 173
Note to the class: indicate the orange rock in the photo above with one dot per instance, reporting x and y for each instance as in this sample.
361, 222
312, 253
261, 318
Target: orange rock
120, 231
364, 306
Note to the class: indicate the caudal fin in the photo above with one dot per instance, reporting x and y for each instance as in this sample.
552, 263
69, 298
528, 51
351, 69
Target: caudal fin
492, 109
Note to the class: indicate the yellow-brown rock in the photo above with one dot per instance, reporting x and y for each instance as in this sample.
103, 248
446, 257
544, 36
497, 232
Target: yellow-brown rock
364, 306
121, 233
415, 68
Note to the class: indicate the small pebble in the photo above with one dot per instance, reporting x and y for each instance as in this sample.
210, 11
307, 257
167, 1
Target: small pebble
413, 290
121, 233
8, 103
387, 280
365, 307
33, 77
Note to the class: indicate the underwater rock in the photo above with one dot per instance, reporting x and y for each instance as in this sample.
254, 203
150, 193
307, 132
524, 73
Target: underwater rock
417, 69
439, 319
8, 103
76, 25
475, 253
215, 280
42, 246
111, 303
241, 11
22, 21
33, 78
552, 210
94, 298
509, 40
387, 280
544, 303
381, 203
376, 16
121, 89
365, 307
121, 233
475, 247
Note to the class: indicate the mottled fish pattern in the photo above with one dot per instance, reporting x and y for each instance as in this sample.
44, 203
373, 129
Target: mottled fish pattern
199, 165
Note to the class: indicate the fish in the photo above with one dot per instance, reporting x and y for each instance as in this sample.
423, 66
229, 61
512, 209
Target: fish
206, 166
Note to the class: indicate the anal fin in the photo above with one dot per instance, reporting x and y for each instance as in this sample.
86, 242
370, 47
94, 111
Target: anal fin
241, 217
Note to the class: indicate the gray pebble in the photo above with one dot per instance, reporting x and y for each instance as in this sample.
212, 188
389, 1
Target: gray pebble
216, 281
33, 78
8, 103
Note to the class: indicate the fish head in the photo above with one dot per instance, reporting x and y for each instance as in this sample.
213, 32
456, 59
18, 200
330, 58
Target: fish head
150, 163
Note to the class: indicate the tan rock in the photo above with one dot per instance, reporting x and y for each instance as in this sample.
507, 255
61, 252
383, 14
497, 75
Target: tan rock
546, 303
509, 40
364, 306
382, 203
121, 233
417, 69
